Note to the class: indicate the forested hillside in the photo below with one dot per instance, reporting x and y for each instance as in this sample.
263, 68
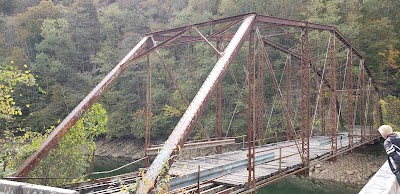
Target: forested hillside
68, 46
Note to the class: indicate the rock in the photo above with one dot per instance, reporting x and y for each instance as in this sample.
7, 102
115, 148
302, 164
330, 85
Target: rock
349, 172
318, 166
324, 171
374, 169
317, 171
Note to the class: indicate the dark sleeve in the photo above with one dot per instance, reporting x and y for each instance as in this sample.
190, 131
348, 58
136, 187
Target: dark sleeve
393, 157
392, 168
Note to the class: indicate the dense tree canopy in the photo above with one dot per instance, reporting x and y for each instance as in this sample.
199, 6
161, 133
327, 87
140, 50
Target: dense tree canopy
70, 45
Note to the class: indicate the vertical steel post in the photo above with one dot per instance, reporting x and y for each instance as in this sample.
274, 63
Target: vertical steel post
218, 119
148, 112
362, 101
369, 111
332, 103
350, 99
378, 114
305, 100
260, 101
323, 110
289, 96
251, 115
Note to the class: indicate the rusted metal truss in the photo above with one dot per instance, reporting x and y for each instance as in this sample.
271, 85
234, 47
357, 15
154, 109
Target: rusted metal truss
249, 27
305, 99
332, 105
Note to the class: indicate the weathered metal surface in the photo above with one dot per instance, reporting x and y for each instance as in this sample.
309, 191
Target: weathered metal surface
362, 100
278, 92
350, 98
11, 187
207, 173
251, 116
197, 145
136, 53
192, 114
294, 23
289, 96
212, 22
218, 108
78, 111
295, 55
260, 99
305, 100
332, 101
148, 112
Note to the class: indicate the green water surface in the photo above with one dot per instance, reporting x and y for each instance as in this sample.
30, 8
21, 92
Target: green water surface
297, 185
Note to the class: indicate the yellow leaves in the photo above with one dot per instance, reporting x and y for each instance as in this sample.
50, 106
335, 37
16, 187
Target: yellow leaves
393, 54
27, 105
171, 111
10, 77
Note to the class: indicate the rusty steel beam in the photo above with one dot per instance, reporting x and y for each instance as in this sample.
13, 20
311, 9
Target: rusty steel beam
338, 34
190, 39
293, 23
176, 85
78, 111
362, 107
278, 91
323, 112
289, 95
196, 107
283, 49
218, 105
369, 111
136, 53
208, 23
196, 145
350, 98
278, 22
305, 100
260, 100
251, 122
207, 41
332, 103
215, 36
309, 25
148, 112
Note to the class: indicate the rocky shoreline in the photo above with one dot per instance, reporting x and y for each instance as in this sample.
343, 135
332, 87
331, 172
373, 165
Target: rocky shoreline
351, 168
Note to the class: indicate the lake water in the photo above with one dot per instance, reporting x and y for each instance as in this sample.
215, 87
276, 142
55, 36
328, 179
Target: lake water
291, 185
300, 185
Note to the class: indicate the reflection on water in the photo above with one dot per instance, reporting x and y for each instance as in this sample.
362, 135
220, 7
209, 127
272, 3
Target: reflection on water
299, 185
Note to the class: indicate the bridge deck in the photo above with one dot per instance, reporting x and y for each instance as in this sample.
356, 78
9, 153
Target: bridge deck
319, 147
227, 172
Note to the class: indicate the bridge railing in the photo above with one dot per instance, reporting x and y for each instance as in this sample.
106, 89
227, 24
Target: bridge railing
383, 182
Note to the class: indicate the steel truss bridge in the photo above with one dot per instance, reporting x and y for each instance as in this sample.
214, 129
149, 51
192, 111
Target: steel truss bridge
322, 88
